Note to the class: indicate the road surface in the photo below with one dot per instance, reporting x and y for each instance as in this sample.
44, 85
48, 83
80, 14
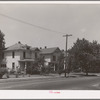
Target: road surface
79, 83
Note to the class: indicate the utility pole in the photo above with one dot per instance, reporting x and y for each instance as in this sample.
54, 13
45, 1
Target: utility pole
67, 35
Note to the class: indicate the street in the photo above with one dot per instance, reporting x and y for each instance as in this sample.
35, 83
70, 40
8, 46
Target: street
59, 83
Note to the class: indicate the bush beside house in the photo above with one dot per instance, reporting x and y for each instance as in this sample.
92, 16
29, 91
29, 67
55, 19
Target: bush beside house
3, 71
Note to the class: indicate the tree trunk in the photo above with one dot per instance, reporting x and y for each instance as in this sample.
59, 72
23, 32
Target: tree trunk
68, 74
1, 76
86, 73
87, 70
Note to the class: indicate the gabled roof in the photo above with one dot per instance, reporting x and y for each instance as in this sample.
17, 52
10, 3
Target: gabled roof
19, 46
49, 50
35, 49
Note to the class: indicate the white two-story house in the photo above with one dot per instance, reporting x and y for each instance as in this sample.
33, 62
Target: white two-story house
20, 55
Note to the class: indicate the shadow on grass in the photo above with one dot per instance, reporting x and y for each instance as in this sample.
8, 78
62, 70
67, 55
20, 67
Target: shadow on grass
90, 75
76, 75
82, 75
71, 76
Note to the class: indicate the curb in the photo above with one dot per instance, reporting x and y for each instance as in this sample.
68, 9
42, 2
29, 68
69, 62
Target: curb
24, 79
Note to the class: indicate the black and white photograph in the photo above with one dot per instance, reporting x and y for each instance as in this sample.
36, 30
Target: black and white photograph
49, 46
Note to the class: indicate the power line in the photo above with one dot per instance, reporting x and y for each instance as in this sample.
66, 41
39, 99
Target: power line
24, 22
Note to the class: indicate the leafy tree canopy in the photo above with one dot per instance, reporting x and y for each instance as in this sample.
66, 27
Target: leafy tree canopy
84, 53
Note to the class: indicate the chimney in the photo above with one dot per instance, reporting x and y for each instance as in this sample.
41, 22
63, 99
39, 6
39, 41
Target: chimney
19, 42
27, 47
62, 50
45, 47
40, 47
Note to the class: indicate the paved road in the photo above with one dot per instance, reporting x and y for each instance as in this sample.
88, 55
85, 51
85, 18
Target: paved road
80, 83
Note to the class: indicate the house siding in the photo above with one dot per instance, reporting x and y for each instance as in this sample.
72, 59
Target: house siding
33, 54
17, 57
9, 59
49, 57
27, 54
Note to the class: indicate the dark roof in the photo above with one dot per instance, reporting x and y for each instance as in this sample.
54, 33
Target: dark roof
49, 50
35, 48
19, 46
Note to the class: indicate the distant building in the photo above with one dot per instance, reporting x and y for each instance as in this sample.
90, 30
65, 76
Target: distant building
19, 55
51, 56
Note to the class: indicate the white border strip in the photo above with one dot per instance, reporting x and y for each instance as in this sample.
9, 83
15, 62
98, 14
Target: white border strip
24, 94
34, 94
49, 2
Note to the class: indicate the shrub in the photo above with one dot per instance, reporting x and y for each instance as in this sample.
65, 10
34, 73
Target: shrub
77, 70
35, 71
12, 71
2, 72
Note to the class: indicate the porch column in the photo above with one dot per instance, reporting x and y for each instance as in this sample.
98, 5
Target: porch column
54, 67
64, 65
19, 64
25, 65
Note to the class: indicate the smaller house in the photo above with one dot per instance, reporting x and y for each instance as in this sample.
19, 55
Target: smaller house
51, 56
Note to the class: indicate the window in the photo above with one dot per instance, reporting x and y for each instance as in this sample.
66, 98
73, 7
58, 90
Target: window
24, 55
13, 65
54, 58
13, 54
35, 54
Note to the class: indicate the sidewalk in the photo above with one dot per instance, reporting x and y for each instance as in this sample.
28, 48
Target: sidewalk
26, 77
32, 77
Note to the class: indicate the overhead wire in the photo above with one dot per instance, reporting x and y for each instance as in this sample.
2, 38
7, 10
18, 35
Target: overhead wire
24, 22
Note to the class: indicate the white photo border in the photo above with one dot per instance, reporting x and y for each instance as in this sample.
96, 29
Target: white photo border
49, 94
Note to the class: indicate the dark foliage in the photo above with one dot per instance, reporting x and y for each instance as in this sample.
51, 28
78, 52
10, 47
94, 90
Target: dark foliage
85, 55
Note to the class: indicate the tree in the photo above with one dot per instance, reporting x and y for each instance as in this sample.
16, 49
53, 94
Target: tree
82, 52
35, 68
60, 62
86, 60
69, 64
95, 48
41, 62
2, 45
95, 65
29, 70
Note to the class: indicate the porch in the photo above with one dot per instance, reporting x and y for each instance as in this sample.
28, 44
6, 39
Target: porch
53, 66
25, 64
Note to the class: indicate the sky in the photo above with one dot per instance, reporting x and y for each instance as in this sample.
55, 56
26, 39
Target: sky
80, 20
